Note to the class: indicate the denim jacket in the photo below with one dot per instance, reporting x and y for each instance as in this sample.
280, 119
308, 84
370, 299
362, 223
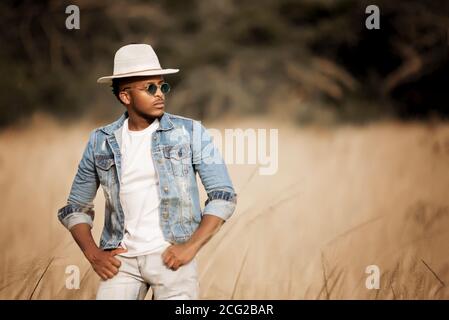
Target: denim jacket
180, 148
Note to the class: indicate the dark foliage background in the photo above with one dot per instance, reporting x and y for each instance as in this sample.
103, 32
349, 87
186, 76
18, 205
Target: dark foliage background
314, 60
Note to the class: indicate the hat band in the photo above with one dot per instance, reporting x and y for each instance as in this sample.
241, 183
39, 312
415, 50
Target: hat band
120, 74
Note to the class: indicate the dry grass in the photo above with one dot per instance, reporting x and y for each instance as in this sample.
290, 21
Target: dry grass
343, 199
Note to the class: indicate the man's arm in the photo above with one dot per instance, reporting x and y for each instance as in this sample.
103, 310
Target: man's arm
80, 207
77, 216
220, 204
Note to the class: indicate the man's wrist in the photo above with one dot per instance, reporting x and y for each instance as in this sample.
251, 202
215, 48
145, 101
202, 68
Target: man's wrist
194, 244
91, 253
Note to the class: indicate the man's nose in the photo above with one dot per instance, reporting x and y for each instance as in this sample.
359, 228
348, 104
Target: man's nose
158, 92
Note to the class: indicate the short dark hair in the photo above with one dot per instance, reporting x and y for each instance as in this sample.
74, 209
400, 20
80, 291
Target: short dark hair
116, 88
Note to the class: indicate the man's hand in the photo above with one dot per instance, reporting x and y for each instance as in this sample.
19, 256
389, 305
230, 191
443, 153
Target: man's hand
178, 255
104, 263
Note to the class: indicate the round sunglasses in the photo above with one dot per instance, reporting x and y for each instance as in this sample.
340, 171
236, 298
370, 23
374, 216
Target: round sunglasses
152, 88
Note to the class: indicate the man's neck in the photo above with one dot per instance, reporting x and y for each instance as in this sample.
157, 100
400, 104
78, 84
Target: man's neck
138, 123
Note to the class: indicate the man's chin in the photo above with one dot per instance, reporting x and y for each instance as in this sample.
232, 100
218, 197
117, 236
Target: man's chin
160, 112
151, 114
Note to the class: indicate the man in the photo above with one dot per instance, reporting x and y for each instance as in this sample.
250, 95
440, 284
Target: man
146, 163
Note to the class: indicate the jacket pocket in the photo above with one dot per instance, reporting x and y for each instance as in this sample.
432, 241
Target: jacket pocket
105, 165
180, 157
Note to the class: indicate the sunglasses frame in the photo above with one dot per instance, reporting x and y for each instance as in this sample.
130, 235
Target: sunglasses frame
147, 88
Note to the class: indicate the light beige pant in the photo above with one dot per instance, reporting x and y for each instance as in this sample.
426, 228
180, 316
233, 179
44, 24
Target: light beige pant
137, 274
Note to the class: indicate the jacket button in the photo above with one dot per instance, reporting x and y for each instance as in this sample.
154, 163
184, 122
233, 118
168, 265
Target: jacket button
165, 215
166, 189
154, 137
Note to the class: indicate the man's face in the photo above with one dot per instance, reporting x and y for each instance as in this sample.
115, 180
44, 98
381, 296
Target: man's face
137, 99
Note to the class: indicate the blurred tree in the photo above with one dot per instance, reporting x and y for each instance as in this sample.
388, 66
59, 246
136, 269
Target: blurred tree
312, 59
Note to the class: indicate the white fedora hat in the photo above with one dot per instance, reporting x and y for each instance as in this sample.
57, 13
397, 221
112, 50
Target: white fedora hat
136, 60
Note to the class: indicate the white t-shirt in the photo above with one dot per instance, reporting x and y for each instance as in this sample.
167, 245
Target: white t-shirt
139, 193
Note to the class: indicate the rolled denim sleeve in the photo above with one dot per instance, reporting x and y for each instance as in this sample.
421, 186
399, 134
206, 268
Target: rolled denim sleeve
208, 162
80, 208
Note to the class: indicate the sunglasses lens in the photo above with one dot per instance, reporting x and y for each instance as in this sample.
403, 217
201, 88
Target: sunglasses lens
152, 88
165, 88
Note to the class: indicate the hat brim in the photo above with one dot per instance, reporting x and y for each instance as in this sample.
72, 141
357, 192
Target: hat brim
108, 79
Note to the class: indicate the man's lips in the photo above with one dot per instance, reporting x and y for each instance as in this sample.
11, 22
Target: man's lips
158, 104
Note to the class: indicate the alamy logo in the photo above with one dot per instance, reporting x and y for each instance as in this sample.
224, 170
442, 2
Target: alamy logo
73, 20
251, 146
73, 280
373, 280
373, 20
238, 146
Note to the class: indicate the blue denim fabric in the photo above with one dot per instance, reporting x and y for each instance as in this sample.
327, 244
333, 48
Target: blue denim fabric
181, 147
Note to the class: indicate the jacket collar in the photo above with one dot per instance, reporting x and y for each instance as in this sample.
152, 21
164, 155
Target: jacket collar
164, 123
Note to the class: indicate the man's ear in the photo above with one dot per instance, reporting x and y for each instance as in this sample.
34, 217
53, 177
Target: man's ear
124, 97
